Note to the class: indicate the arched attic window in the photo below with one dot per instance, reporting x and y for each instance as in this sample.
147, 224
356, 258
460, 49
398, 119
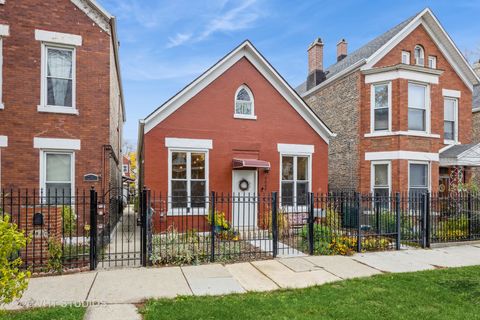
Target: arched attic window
244, 104
419, 55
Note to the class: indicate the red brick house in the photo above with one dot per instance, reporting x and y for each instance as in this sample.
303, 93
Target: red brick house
238, 128
61, 97
402, 107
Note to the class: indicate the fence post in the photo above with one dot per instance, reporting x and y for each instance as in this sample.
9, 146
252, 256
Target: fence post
212, 227
427, 222
311, 208
469, 215
274, 224
424, 219
358, 205
93, 229
143, 220
399, 220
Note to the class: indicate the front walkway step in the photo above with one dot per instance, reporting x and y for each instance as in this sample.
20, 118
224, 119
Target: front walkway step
112, 312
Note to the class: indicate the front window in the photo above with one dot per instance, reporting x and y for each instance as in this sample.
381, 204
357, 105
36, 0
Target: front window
59, 77
418, 178
188, 179
450, 119
381, 107
58, 173
381, 179
244, 106
417, 107
419, 56
295, 180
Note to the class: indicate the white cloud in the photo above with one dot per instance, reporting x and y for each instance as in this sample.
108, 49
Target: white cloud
237, 18
178, 39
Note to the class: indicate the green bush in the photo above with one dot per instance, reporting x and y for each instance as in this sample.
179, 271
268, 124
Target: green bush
13, 282
55, 256
69, 221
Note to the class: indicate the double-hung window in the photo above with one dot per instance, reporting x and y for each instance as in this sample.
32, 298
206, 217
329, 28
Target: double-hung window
58, 173
417, 107
381, 178
295, 180
450, 119
406, 57
188, 182
59, 76
432, 62
418, 178
381, 104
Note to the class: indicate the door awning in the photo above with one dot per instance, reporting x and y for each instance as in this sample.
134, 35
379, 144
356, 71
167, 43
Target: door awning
250, 163
461, 155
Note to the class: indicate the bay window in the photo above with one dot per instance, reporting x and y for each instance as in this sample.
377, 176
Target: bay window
381, 104
295, 180
381, 178
450, 119
417, 107
418, 178
188, 179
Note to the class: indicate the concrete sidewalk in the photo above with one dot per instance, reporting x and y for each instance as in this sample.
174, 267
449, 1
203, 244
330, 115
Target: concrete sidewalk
112, 293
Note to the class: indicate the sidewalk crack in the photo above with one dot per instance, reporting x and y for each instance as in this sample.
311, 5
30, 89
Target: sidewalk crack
91, 286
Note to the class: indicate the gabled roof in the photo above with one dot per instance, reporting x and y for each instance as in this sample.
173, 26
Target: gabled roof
368, 55
248, 51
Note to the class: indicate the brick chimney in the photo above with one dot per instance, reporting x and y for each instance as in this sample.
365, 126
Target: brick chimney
341, 49
476, 67
315, 64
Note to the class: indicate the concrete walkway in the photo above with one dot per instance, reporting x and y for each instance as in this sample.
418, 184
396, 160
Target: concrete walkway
110, 294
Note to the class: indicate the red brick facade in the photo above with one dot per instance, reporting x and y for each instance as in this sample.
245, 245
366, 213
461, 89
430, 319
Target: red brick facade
449, 79
21, 122
209, 115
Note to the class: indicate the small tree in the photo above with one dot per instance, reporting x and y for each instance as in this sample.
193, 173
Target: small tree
13, 282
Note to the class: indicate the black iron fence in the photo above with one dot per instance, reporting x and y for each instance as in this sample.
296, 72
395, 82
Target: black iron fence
90, 229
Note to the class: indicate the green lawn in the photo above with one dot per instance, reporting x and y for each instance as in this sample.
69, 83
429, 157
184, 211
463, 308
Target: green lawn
438, 294
58, 313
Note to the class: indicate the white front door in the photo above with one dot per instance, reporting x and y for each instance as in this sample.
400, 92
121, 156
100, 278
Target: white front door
244, 198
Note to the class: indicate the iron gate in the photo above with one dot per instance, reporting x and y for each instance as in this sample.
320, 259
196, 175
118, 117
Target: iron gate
118, 228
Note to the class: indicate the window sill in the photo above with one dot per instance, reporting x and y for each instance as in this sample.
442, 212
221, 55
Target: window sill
52, 109
449, 142
401, 133
243, 116
2, 106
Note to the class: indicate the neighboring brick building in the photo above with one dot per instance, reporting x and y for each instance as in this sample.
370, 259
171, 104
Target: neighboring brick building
401, 106
238, 128
62, 105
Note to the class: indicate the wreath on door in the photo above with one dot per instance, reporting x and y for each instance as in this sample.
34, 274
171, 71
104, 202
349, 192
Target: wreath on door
243, 185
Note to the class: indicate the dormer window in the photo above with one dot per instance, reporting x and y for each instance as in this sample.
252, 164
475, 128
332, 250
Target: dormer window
244, 104
419, 56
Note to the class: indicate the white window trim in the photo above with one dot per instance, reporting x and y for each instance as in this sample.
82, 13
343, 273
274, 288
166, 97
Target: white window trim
452, 93
406, 54
434, 60
372, 106
56, 143
58, 38
427, 107
3, 141
455, 140
4, 32
181, 143
410, 75
417, 61
191, 211
43, 169
296, 149
244, 116
402, 133
402, 155
309, 155
429, 178
372, 175
43, 107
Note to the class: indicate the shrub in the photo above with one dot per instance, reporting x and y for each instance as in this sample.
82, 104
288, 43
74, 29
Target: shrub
13, 282
175, 248
69, 221
283, 225
55, 255
220, 220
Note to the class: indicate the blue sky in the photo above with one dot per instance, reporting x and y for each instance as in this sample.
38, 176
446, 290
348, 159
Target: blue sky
166, 44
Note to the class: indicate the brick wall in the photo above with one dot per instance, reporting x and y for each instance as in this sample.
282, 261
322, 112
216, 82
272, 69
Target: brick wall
338, 106
21, 121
